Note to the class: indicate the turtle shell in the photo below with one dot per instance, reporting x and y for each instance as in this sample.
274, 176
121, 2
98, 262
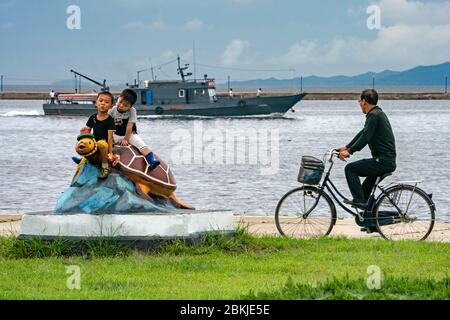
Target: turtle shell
135, 166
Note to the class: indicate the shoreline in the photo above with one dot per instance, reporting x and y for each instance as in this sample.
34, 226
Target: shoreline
309, 96
264, 226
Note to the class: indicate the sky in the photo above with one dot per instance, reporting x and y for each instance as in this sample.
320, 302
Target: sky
243, 39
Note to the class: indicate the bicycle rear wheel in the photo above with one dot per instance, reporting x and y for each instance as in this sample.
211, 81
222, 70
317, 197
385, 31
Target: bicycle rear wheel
404, 212
290, 217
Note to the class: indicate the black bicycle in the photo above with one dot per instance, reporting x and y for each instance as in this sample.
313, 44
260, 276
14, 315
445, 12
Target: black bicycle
401, 211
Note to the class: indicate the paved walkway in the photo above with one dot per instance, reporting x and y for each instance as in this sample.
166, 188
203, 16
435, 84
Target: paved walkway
344, 227
10, 225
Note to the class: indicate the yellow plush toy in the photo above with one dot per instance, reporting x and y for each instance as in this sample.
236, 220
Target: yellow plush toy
86, 145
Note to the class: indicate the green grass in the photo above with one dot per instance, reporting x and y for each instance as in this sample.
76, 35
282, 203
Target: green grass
350, 289
242, 267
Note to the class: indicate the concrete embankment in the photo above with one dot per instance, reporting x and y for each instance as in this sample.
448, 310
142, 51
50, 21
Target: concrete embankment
260, 226
309, 96
352, 95
23, 96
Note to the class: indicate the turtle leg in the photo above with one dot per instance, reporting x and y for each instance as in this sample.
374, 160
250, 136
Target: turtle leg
179, 204
143, 191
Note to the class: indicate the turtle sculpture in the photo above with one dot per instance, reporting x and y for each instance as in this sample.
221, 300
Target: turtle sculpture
157, 182
157, 185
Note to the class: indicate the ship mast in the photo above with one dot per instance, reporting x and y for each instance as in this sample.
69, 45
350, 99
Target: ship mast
182, 69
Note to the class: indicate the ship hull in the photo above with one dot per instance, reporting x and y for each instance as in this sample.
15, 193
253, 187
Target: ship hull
225, 107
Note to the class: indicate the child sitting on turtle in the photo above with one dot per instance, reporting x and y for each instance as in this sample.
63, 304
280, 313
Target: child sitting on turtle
103, 128
125, 118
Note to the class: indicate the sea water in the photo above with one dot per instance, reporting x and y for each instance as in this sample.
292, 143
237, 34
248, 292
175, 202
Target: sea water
243, 164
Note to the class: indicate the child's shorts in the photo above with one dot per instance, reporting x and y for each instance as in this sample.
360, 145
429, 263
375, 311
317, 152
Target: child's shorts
135, 140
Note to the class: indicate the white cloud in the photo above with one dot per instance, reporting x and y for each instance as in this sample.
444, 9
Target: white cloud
139, 3
7, 4
243, 1
159, 25
298, 53
234, 51
396, 47
171, 54
356, 11
403, 12
151, 26
314, 53
412, 33
168, 55
164, 66
194, 24
7, 25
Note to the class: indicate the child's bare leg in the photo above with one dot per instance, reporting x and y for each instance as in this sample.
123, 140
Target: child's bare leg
137, 142
103, 157
145, 151
103, 152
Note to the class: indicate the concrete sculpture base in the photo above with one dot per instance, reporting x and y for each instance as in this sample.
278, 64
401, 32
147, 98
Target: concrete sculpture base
136, 227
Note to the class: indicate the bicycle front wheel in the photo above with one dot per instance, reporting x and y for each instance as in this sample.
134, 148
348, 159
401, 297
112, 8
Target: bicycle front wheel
404, 212
291, 218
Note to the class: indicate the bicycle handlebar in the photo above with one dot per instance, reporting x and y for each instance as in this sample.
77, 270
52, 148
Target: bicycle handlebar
332, 153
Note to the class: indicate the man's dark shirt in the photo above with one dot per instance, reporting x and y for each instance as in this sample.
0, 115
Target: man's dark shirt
101, 128
377, 133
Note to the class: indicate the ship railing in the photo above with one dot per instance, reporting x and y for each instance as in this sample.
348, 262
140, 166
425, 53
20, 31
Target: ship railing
69, 101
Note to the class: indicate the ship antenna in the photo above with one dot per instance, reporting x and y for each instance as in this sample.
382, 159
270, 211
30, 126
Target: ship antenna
195, 65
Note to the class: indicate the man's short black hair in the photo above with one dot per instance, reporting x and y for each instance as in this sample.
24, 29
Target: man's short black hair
106, 93
129, 96
370, 96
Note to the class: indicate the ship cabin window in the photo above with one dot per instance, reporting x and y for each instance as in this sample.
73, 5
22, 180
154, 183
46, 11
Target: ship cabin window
199, 92
181, 93
143, 98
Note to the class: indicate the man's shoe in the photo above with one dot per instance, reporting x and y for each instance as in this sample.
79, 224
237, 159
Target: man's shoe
103, 173
358, 205
369, 229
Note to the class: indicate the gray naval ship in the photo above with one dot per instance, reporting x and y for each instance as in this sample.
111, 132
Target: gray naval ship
176, 98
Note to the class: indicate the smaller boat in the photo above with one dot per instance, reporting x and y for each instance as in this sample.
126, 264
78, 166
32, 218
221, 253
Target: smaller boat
76, 97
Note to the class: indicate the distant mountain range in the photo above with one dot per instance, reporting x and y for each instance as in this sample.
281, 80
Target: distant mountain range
71, 83
418, 76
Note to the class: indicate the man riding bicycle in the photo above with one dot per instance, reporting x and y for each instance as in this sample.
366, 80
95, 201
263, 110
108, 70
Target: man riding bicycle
377, 133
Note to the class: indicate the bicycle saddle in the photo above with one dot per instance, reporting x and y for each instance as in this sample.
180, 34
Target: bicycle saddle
384, 176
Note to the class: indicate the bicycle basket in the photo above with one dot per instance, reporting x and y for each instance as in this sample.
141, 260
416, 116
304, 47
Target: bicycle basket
311, 170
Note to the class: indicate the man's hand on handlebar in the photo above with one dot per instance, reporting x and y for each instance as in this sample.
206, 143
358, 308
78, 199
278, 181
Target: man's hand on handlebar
344, 154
